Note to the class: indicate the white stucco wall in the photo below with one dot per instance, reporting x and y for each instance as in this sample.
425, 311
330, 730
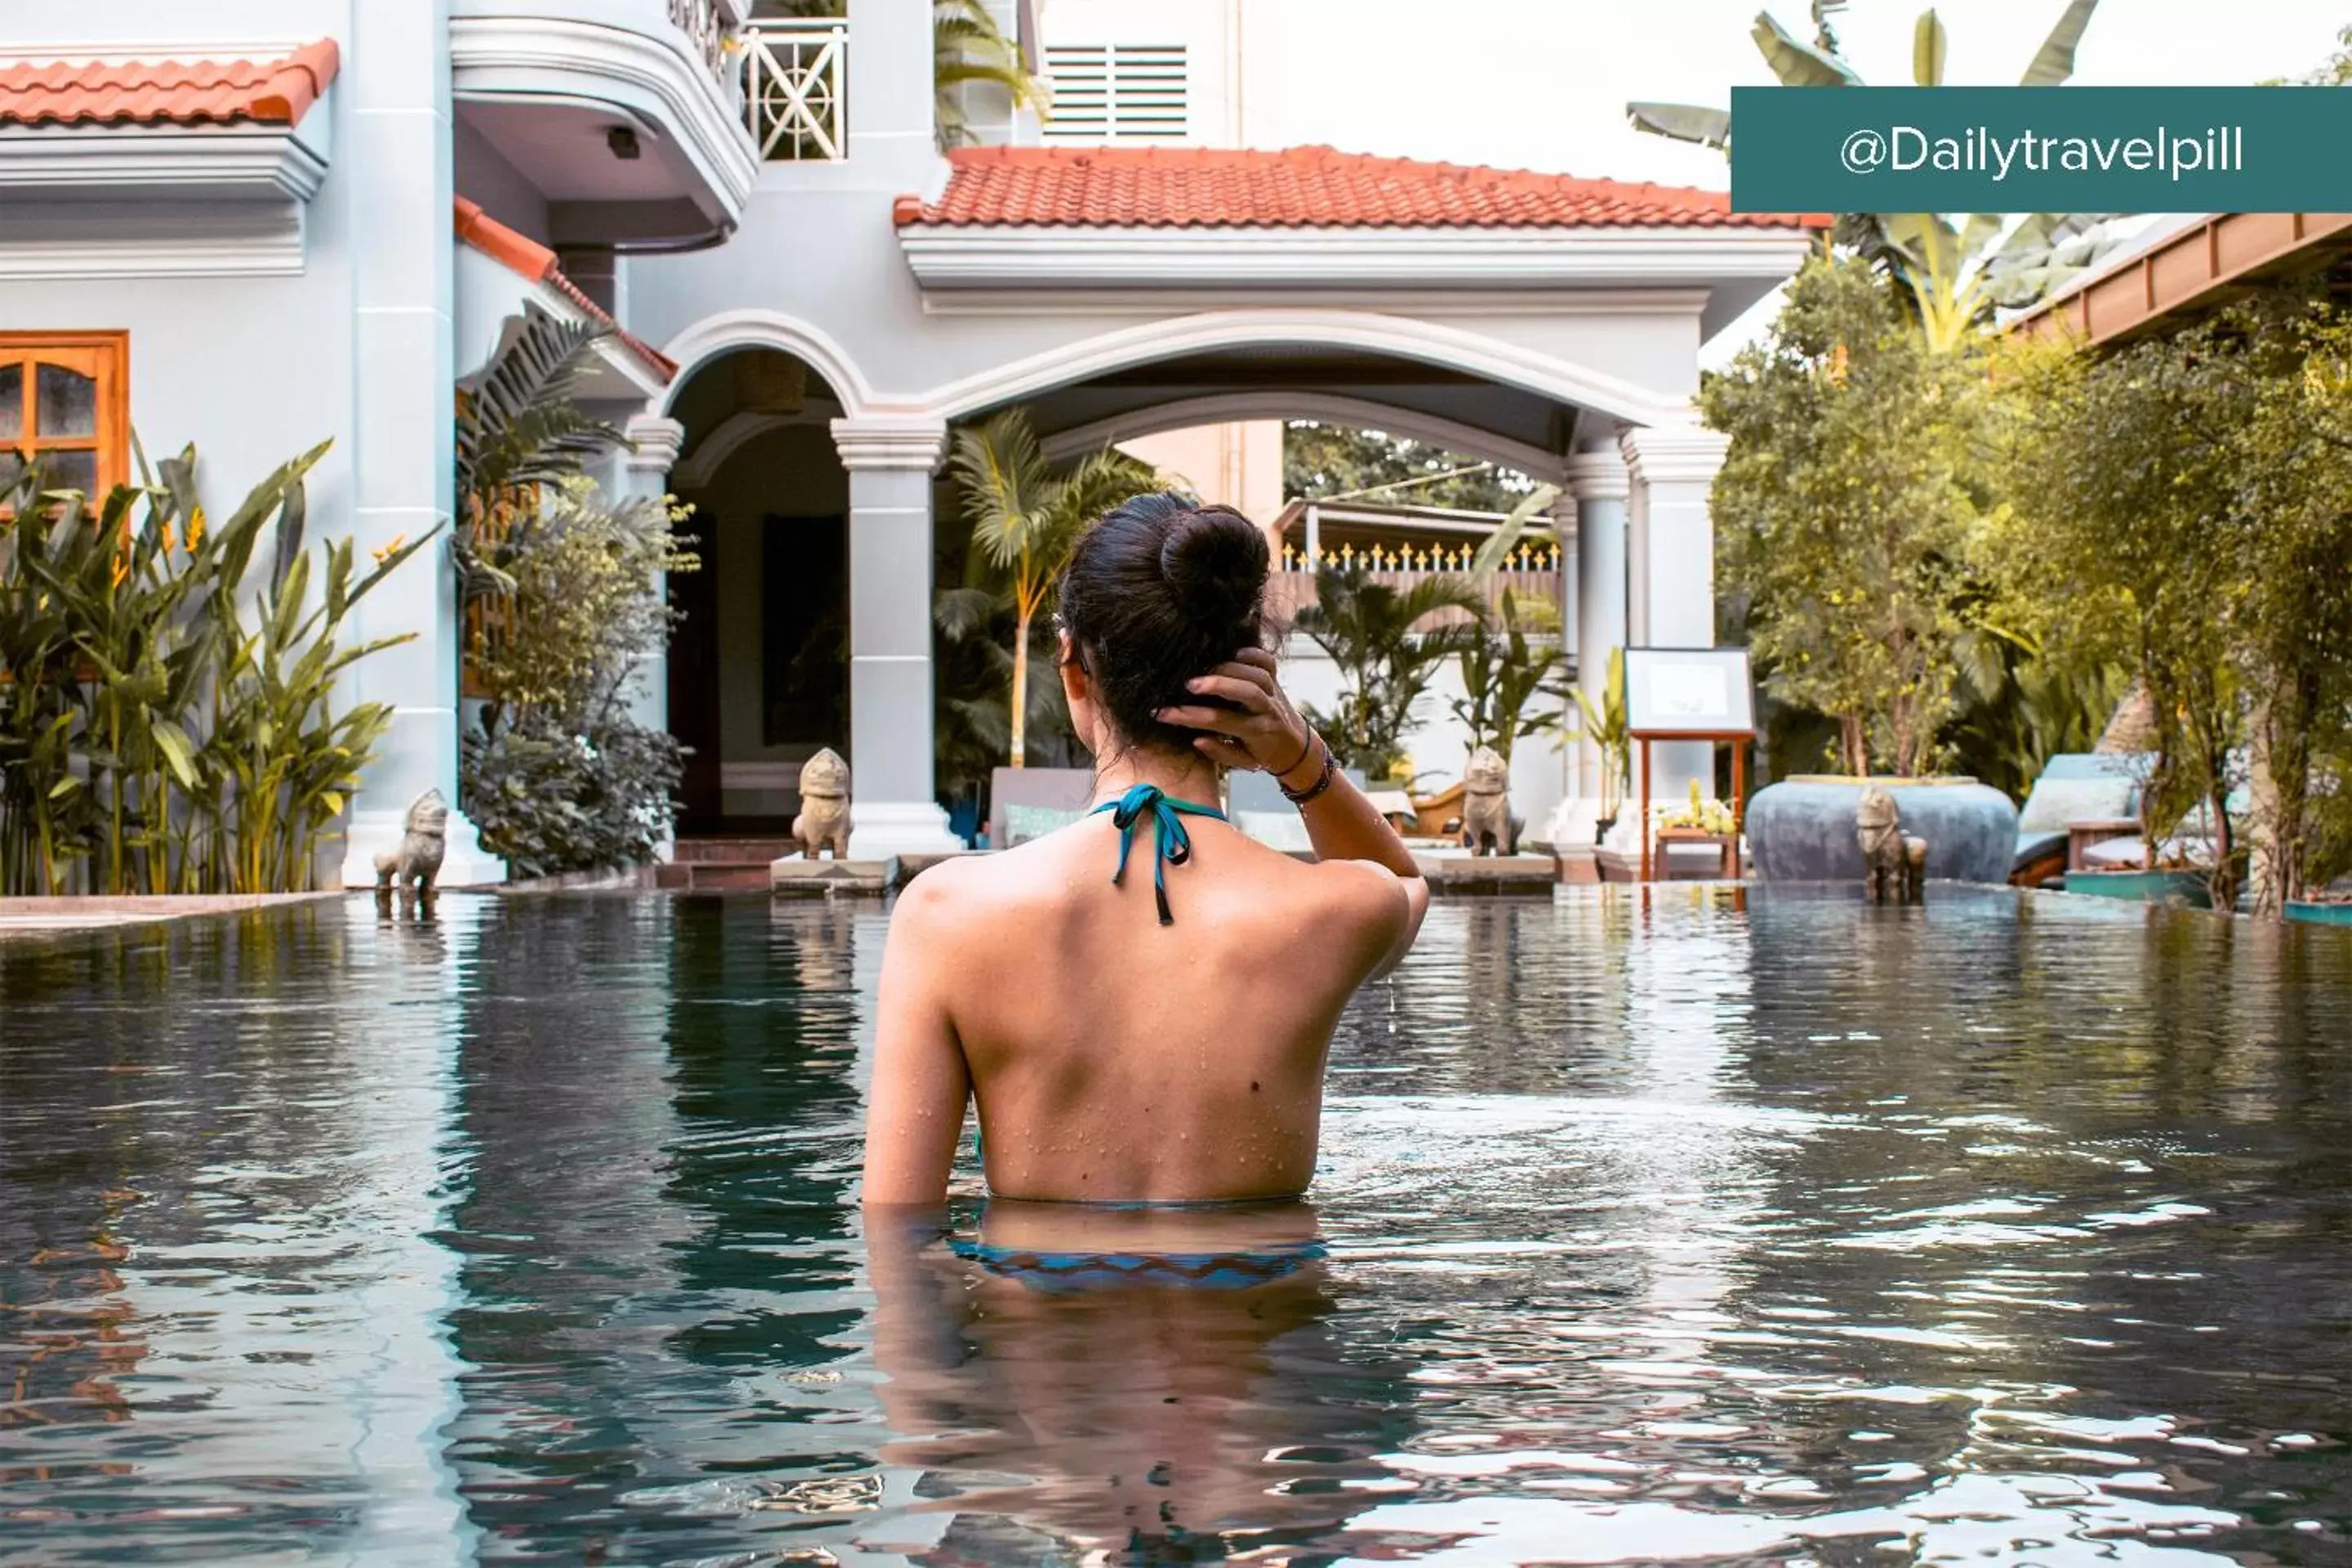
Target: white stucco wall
252, 369
1438, 743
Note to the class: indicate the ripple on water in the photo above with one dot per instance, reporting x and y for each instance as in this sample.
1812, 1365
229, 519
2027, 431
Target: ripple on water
1685, 1227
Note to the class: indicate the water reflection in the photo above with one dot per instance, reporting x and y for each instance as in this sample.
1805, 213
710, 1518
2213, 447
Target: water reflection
1663, 1228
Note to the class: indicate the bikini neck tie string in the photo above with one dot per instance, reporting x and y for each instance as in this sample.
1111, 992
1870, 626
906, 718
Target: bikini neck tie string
1171, 845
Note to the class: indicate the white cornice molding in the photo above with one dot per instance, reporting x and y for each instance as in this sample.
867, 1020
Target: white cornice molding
914, 442
1022, 256
231, 162
1497, 358
1456, 301
539, 53
655, 443
1598, 476
158, 201
1673, 454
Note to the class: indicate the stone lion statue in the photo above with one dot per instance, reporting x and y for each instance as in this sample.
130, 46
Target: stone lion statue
412, 868
1893, 866
1488, 826
824, 806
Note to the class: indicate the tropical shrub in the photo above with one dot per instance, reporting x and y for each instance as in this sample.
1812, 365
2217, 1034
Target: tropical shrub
168, 724
557, 775
2181, 507
564, 606
1845, 513
1368, 631
1506, 666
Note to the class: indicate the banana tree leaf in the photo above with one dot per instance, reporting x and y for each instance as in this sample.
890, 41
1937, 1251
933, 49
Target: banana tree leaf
1928, 46
1797, 63
2054, 62
1682, 123
1500, 542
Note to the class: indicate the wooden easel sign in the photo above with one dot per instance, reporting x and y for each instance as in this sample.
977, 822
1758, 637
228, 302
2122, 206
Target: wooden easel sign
1690, 694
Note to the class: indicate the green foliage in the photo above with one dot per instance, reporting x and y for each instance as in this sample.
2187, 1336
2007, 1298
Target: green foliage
2022, 702
968, 47
2182, 507
1504, 668
168, 724
1026, 519
1324, 462
518, 429
554, 773
1367, 629
1604, 723
549, 797
1843, 511
557, 775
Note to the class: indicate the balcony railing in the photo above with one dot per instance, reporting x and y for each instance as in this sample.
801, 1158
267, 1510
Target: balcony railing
1530, 571
793, 96
709, 28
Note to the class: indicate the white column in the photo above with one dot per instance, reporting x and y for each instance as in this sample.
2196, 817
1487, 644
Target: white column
644, 474
1597, 481
1670, 572
891, 108
891, 459
403, 413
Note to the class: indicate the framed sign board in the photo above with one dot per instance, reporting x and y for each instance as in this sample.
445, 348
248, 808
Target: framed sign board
1701, 693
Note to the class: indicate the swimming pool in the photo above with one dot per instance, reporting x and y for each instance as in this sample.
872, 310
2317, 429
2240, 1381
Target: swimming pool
1700, 1226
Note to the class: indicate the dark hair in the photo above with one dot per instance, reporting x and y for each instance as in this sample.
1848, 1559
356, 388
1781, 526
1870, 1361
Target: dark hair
1160, 590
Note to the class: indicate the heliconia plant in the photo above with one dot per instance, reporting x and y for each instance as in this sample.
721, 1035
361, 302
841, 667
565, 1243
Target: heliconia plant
166, 723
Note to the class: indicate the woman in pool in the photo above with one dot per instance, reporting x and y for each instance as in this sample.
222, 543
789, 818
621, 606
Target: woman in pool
1142, 1002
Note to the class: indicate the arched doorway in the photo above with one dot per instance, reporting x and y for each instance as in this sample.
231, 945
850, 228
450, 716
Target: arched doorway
759, 672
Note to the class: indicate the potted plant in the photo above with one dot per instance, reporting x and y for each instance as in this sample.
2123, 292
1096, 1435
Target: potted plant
1603, 724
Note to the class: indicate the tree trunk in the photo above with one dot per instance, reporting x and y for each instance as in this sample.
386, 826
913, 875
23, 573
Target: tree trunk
1857, 755
1020, 758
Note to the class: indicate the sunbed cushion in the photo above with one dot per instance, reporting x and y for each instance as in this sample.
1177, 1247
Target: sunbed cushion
2056, 802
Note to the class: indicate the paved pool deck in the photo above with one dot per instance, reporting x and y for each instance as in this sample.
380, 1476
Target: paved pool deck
38, 917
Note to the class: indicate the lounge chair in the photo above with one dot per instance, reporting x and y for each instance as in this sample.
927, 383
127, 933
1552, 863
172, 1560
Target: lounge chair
2080, 795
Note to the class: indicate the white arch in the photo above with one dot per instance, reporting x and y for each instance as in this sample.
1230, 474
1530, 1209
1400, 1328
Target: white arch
1403, 337
1331, 408
756, 328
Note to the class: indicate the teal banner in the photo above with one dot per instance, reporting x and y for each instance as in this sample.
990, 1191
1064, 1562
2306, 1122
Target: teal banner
2040, 149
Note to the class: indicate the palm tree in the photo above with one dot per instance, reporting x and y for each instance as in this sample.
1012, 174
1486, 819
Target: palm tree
967, 45
1026, 519
1955, 274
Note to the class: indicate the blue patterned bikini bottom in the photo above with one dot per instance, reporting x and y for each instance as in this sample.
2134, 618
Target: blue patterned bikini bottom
1074, 1271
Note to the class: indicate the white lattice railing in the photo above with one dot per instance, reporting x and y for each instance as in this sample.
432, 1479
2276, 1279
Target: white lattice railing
709, 28
792, 89
1533, 572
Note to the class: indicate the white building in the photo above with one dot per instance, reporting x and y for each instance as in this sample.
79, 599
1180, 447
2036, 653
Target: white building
321, 238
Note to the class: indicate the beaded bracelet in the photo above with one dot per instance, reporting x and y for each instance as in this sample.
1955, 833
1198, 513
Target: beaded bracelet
1322, 780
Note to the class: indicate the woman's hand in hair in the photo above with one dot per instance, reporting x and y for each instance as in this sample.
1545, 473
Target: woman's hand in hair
1252, 725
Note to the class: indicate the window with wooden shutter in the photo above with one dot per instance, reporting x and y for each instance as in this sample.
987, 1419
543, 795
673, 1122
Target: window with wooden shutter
65, 402
1118, 92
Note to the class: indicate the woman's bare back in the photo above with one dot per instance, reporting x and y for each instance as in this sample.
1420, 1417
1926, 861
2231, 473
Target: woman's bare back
1114, 1057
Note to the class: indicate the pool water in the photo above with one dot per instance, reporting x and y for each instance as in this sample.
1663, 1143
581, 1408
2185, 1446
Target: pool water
1698, 1226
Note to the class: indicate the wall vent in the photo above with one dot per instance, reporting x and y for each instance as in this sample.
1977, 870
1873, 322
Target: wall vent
1118, 92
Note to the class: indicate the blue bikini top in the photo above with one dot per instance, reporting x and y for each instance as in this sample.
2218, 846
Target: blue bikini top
1171, 844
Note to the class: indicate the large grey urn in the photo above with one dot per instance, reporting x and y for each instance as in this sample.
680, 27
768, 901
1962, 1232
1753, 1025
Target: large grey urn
1803, 829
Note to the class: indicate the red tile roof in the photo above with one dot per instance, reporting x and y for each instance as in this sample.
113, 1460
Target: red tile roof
169, 92
520, 253
1300, 187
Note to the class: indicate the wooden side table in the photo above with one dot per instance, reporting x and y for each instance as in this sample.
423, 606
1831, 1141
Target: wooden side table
2080, 836
1727, 847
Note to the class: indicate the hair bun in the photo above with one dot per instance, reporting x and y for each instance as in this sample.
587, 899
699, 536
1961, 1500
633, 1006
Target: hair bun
1215, 560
